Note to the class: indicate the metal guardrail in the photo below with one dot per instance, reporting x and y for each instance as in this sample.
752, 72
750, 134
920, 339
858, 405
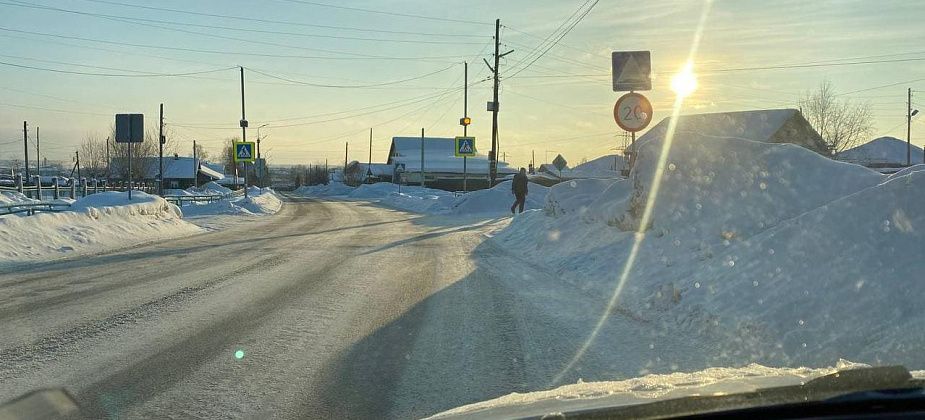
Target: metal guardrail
31, 208
180, 200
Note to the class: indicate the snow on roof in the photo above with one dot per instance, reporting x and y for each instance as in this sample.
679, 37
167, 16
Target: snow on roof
438, 156
766, 126
883, 150
174, 168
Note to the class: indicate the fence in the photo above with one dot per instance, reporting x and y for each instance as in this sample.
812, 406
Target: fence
83, 188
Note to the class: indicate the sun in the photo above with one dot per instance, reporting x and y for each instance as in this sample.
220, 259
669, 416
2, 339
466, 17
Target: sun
685, 82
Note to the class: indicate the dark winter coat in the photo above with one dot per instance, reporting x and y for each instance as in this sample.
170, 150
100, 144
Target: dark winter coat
519, 186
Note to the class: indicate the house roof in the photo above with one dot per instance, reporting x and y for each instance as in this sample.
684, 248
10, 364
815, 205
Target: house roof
438, 156
174, 168
766, 125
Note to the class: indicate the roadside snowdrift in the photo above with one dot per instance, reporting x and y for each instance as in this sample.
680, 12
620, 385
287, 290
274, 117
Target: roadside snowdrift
96, 223
487, 202
230, 211
755, 252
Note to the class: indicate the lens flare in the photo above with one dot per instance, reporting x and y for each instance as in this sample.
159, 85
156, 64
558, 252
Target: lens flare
685, 82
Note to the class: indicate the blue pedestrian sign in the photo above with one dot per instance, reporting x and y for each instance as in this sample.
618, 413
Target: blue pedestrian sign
465, 146
244, 152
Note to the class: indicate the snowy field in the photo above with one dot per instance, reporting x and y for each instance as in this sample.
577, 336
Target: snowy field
108, 220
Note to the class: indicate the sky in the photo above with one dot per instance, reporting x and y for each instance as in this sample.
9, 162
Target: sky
320, 74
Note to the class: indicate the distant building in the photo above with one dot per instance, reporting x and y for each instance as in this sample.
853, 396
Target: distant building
179, 172
442, 169
767, 126
884, 154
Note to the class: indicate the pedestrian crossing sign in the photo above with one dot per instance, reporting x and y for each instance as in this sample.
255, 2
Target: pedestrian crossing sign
465, 146
244, 151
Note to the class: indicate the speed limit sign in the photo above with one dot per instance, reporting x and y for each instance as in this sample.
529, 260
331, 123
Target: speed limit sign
633, 112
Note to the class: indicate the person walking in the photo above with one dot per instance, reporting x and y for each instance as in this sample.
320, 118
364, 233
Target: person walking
519, 188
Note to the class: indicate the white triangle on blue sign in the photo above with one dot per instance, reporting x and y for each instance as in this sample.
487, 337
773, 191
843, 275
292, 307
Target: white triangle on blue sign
244, 152
465, 147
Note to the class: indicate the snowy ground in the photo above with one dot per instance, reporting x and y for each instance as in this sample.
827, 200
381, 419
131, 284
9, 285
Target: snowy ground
108, 220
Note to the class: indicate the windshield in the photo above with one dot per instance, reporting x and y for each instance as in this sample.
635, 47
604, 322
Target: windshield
393, 209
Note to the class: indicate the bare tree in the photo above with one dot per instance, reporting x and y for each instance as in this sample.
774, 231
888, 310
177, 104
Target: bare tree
201, 152
93, 156
841, 122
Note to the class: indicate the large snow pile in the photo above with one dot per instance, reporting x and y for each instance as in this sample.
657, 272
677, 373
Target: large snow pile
13, 197
95, 223
498, 200
260, 201
608, 166
324, 190
210, 188
883, 150
755, 252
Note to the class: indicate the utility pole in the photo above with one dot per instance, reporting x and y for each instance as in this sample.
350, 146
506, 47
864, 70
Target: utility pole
243, 131
77, 156
25, 145
38, 155
369, 165
108, 171
160, 153
422, 157
465, 122
194, 150
493, 155
909, 129
346, 152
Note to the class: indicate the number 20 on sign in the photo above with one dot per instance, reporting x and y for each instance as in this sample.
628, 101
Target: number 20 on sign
633, 112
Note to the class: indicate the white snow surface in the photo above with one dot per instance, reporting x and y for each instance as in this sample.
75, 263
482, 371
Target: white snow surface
644, 389
602, 167
95, 223
882, 150
230, 211
487, 202
755, 253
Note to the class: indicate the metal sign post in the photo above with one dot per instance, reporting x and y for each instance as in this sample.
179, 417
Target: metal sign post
464, 147
244, 152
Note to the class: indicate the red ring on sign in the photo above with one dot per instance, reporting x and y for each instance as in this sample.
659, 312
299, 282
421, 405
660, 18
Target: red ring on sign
643, 103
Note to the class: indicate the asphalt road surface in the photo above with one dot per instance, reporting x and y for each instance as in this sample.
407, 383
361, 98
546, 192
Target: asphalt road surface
339, 309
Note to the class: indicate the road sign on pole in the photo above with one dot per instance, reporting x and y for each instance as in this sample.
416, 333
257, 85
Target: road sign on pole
631, 70
465, 146
633, 112
130, 128
244, 151
559, 162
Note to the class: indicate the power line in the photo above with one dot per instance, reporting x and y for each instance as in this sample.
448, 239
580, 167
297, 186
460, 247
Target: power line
231, 28
394, 82
809, 65
53, 109
136, 21
205, 51
382, 12
882, 86
116, 74
559, 38
282, 22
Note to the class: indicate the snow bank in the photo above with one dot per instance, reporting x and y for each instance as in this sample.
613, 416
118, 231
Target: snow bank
210, 188
756, 252
323, 190
608, 166
13, 197
498, 200
95, 223
260, 201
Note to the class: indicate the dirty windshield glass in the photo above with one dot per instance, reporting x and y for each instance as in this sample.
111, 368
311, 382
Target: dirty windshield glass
402, 209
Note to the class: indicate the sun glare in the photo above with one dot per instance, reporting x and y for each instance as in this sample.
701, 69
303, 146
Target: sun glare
685, 82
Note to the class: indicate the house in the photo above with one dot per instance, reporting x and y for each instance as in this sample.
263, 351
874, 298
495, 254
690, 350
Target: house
179, 172
768, 126
442, 169
884, 154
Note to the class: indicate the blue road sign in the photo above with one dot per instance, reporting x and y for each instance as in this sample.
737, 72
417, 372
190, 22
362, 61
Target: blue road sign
465, 146
244, 152
631, 70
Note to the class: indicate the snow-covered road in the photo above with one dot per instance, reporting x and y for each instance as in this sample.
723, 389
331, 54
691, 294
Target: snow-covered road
341, 309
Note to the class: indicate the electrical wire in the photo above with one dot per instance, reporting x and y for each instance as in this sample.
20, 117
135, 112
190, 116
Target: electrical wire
559, 38
383, 12
394, 82
282, 22
53, 109
116, 74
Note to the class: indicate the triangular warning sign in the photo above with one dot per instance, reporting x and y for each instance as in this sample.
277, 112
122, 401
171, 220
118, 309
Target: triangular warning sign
631, 72
244, 152
466, 147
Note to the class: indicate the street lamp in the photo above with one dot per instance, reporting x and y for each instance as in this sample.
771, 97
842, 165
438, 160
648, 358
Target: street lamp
258, 139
